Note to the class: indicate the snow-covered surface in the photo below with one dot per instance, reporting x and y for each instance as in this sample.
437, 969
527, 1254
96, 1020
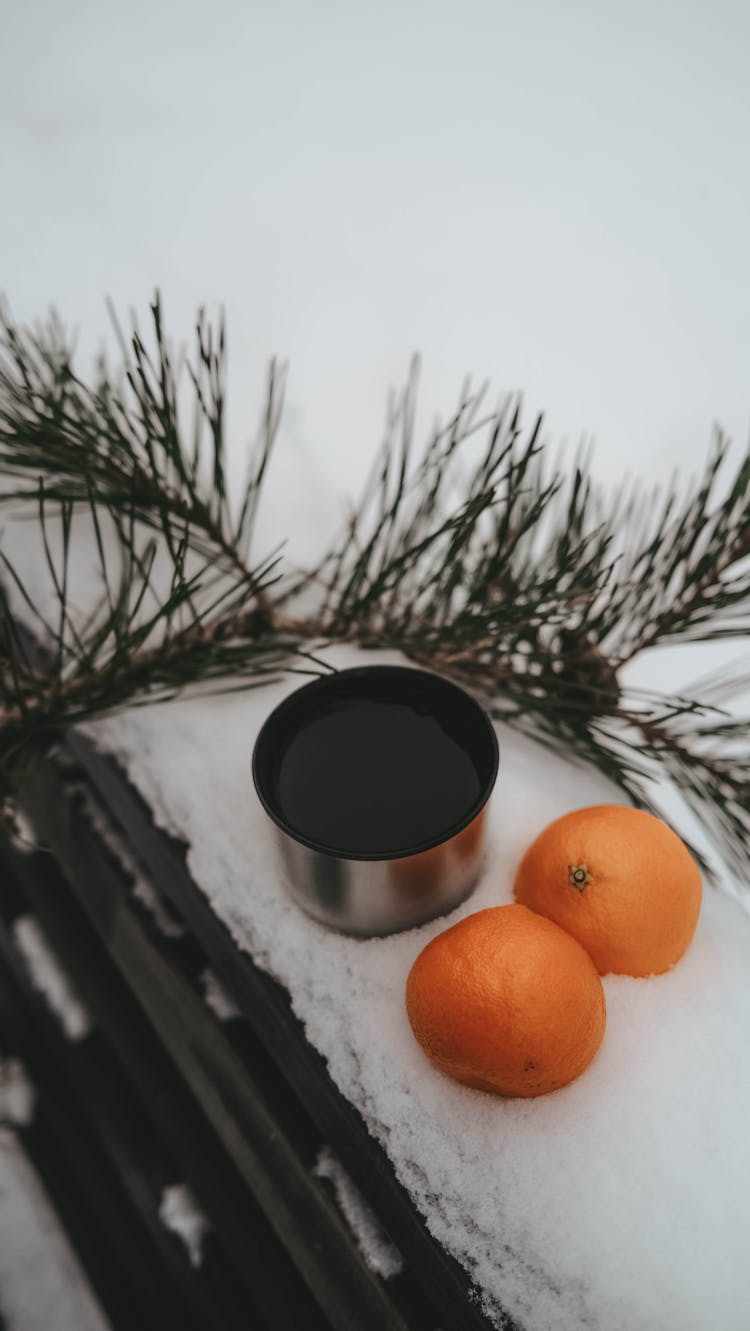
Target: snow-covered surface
618, 1202
216, 997
48, 976
180, 1213
42, 1284
381, 1255
17, 1094
143, 890
19, 827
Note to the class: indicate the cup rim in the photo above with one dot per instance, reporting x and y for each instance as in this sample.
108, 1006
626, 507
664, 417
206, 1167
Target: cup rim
323, 682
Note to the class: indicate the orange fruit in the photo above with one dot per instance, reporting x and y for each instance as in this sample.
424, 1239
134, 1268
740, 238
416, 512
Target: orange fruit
620, 881
507, 1002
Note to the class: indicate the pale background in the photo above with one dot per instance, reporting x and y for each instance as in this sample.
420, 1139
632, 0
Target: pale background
554, 196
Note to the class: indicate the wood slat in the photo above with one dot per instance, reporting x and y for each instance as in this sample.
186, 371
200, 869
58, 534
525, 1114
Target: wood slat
111, 1127
259, 1260
231, 1096
85, 1190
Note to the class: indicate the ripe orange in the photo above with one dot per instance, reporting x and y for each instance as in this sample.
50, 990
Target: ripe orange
505, 1001
620, 881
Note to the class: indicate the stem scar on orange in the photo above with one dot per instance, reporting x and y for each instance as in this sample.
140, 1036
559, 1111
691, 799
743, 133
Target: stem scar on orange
505, 1001
620, 881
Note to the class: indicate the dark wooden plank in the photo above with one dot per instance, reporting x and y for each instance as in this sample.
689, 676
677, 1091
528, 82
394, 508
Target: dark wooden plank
86, 1192
113, 1125
259, 1259
304, 1218
81, 1207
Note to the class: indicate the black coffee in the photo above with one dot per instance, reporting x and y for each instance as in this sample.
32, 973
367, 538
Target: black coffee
378, 762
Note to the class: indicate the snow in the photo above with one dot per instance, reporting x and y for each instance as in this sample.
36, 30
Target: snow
379, 1253
143, 890
17, 1094
49, 978
42, 1284
216, 997
618, 1202
19, 827
179, 1212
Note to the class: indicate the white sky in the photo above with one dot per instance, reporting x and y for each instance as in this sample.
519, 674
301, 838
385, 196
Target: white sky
556, 196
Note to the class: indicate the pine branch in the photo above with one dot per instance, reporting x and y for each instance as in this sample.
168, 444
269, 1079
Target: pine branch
125, 441
476, 556
153, 632
685, 577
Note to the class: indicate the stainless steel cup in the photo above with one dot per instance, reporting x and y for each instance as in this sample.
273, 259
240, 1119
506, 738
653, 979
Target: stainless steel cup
369, 894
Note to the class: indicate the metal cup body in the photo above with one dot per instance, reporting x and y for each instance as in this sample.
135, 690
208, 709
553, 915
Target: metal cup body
371, 897
368, 894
